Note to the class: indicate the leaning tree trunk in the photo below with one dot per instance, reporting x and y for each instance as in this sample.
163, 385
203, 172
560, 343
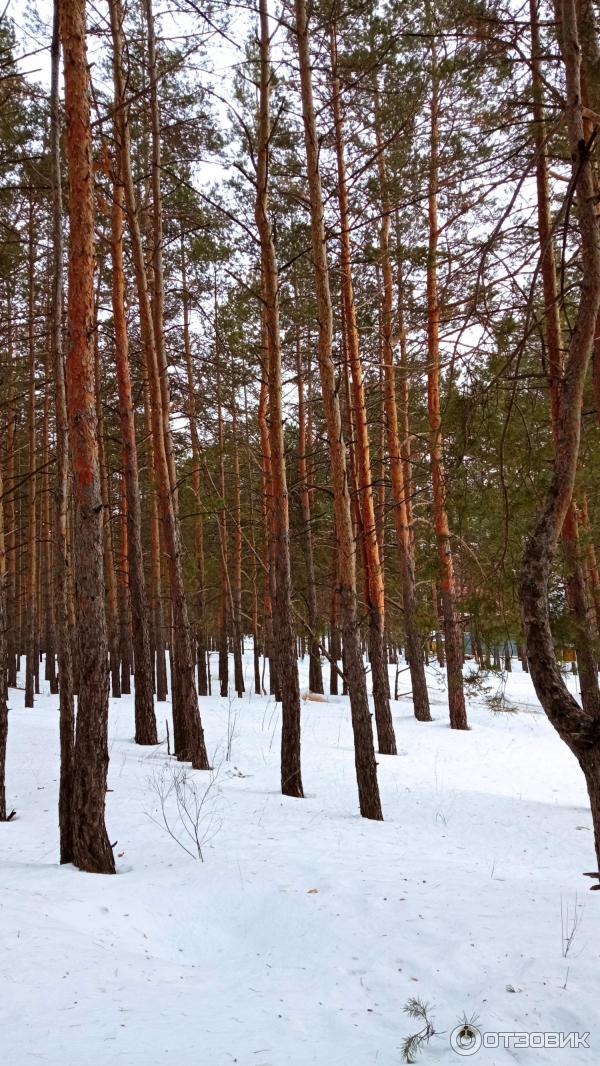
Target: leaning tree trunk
578, 728
571, 548
366, 767
592, 571
364, 475
187, 726
91, 846
590, 97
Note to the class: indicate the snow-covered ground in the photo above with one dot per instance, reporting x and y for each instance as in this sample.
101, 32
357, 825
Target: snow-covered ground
306, 929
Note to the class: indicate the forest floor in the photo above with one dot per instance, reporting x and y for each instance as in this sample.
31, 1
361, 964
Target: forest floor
304, 932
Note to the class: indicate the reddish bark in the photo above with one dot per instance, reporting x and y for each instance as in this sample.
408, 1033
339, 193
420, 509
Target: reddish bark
187, 726
91, 846
365, 499
366, 769
452, 632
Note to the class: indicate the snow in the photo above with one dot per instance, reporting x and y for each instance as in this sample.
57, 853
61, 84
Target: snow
306, 929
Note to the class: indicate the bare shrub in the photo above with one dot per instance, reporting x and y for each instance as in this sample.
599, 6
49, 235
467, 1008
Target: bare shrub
187, 807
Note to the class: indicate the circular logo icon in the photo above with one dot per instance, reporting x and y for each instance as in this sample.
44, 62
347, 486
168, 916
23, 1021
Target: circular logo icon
465, 1039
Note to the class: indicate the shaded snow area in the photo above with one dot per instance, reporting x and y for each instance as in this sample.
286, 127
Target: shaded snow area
304, 932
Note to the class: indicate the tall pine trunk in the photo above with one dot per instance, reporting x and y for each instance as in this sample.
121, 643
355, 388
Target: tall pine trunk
266, 513
61, 567
287, 663
224, 589
125, 645
452, 631
315, 669
201, 647
372, 561
91, 846
187, 726
236, 592
10, 509
397, 462
112, 611
47, 591
366, 767
31, 599
145, 721
254, 558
